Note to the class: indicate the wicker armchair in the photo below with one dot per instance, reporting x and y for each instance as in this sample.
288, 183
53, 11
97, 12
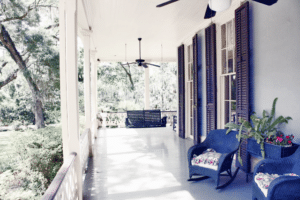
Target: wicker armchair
283, 187
227, 145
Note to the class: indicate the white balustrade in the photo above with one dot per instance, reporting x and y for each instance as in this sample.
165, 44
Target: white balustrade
84, 149
169, 115
64, 185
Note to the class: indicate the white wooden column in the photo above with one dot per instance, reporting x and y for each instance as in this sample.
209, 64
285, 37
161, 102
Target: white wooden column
69, 84
87, 78
147, 91
94, 105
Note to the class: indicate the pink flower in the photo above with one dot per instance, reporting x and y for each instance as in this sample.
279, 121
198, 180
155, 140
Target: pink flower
287, 137
289, 141
279, 139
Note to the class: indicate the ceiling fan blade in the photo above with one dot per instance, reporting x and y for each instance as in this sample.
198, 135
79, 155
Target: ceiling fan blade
166, 3
209, 13
266, 2
152, 64
145, 65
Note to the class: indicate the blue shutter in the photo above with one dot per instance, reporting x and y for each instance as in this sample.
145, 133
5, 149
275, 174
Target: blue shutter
211, 86
197, 92
181, 92
242, 74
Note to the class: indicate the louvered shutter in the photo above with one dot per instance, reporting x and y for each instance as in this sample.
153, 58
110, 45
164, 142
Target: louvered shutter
211, 90
196, 82
181, 92
242, 72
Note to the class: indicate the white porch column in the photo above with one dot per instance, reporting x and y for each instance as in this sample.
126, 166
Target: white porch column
87, 77
147, 91
94, 106
69, 84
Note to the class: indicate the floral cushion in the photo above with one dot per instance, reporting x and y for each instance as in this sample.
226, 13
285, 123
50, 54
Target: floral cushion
209, 159
263, 180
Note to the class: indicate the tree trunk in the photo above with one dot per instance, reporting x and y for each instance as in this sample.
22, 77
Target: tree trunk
10, 47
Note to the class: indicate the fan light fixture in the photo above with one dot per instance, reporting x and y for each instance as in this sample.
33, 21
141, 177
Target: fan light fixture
219, 5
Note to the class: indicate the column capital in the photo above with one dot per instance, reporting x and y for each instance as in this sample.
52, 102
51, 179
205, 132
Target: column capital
86, 32
93, 53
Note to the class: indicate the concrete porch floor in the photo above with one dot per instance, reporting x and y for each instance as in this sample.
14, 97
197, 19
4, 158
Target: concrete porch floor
150, 164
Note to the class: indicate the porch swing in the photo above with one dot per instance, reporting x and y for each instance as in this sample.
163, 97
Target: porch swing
143, 118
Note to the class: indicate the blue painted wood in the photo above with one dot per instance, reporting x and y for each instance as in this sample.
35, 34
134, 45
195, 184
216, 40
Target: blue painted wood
200, 91
211, 83
181, 92
196, 134
267, 2
197, 84
145, 118
271, 151
227, 144
242, 74
285, 187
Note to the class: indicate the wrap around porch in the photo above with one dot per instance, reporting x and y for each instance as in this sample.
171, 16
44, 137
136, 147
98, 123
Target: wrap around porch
149, 164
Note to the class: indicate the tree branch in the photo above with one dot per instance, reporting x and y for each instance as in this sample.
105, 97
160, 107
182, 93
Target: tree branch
52, 26
129, 75
30, 8
15, 55
17, 17
9, 79
3, 65
55, 37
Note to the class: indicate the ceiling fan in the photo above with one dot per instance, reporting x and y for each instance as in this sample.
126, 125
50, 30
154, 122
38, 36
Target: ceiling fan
140, 62
217, 5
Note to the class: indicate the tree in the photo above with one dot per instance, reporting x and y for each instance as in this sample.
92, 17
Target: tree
121, 87
31, 48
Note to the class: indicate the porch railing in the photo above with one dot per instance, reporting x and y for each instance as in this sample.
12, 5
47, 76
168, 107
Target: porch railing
117, 119
64, 185
84, 149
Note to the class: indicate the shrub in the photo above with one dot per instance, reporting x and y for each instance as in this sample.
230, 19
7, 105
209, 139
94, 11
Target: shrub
52, 116
39, 156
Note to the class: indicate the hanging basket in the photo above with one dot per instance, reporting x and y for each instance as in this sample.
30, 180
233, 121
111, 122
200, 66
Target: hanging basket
219, 5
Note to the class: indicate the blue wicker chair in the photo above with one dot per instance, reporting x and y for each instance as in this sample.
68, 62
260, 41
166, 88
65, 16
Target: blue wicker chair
227, 145
283, 187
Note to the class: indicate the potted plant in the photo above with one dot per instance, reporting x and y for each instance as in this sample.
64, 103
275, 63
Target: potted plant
261, 130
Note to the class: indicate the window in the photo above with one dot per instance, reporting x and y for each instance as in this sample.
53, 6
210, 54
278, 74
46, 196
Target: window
228, 73
190, 89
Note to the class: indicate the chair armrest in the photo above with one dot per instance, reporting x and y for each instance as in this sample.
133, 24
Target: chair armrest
280, 166
225, 161
284, 187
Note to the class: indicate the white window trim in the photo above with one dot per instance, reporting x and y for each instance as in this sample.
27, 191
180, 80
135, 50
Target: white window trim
220, 75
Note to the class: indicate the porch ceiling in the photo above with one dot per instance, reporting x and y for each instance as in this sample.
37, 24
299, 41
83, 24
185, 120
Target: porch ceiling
118, 22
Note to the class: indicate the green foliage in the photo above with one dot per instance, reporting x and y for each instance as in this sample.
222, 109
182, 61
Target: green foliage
37, 158
115, 91
259, 128
33, 28
163, 87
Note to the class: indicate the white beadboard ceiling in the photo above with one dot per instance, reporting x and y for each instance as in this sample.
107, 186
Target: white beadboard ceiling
118, 22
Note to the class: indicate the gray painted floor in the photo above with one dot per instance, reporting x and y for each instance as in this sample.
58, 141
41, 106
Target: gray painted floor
150, 164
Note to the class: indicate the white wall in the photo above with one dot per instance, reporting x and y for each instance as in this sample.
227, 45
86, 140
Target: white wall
275, 36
